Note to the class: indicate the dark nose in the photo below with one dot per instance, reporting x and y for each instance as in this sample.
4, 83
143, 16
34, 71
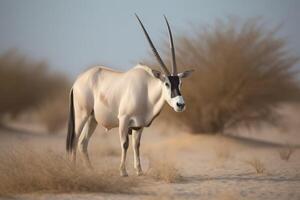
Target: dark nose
180, 105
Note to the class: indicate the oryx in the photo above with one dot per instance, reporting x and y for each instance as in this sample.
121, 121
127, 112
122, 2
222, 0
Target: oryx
129, 100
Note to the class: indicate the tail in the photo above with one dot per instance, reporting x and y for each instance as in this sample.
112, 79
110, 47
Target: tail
71, 125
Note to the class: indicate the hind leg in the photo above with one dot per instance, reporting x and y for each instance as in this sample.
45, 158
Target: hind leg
84, 137
80, 120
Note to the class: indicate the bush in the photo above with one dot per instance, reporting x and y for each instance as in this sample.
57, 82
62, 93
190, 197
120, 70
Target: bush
243, 71
53, 112
26, 84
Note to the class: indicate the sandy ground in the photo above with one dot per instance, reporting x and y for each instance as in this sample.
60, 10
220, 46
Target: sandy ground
212, 167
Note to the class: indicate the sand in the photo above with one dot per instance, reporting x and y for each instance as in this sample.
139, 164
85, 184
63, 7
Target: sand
211, 167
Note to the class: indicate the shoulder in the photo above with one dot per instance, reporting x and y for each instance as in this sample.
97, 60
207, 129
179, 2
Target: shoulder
140, 71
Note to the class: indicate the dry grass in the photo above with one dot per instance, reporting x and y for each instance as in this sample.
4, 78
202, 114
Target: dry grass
242, 72
163, 170
286, 152
256, 164
27, 171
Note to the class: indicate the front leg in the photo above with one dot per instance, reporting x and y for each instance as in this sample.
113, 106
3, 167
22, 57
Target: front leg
136, 138
124, 140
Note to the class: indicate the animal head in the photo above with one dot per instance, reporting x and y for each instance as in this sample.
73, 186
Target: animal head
171, 82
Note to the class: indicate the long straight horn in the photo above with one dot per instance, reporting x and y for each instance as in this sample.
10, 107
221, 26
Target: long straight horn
162, 64
174, 67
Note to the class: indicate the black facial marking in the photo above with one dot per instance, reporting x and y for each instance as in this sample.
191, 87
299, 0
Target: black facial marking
174, 80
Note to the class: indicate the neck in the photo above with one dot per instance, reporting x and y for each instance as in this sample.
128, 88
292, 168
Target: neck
157, 97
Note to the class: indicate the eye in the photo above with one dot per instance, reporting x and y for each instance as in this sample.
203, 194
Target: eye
167, 85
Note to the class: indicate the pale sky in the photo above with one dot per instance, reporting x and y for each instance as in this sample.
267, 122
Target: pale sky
72, 35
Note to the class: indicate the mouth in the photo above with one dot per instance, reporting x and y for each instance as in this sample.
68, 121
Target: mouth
179, 109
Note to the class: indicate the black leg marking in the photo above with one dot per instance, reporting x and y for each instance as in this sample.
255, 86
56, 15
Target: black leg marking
126, 143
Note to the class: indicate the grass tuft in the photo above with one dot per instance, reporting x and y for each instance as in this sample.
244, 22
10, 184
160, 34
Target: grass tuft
286, 152
256, 164
163, 170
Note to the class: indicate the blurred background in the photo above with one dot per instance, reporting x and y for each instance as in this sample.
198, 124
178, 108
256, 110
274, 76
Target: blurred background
245, 55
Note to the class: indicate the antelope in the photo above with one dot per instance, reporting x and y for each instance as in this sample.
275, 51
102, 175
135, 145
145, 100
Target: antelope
129, 100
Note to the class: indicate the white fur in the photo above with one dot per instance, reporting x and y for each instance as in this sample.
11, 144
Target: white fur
175, 100
118, 99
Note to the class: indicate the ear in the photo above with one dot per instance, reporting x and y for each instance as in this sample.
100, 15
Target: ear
157, 74
186, 73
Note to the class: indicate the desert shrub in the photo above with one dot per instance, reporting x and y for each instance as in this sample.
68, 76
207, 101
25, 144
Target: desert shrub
26, 84
242, 72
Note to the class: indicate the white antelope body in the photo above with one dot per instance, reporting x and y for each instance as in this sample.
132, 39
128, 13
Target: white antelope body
129, 100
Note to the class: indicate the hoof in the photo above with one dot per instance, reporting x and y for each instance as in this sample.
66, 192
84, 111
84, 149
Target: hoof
139, 173
139, 170
123, 173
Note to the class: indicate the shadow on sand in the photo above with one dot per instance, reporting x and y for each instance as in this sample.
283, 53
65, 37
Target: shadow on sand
257, 142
